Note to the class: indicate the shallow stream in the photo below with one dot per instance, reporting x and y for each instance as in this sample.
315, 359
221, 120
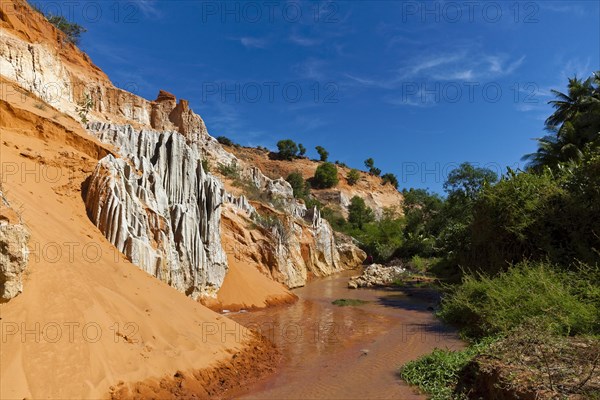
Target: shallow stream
351, 352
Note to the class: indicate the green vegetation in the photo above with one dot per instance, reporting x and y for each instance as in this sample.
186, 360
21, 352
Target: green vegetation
421, 264
230, 171
370, 164
348, 302
326, 176
205, 165
526, 253
353, 177
301, 150
572, 128
560, 301
288, 149
323, 154
225, 141
391, 179
299, 185
71, 30
438, 373
358, 213
83, 107
380, 238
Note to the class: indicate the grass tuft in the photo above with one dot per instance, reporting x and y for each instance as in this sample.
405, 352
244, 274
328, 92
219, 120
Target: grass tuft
437, 373
348, 302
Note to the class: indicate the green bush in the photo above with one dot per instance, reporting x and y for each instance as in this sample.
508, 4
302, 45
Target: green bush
421, 264
391, 179
326, 176
299, 186
288, 149
72, 30
231, 171
381, 238
483, 306
353, 177
437, 373
225, 141
424, 219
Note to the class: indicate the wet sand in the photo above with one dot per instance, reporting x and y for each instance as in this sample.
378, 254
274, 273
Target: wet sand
352, 352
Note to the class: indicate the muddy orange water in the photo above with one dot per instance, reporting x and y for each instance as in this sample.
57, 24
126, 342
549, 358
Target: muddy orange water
351, 352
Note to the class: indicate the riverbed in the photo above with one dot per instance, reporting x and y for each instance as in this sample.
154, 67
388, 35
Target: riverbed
351, 352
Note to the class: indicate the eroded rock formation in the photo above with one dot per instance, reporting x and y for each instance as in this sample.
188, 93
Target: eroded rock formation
155, 203
14, 253
158, 207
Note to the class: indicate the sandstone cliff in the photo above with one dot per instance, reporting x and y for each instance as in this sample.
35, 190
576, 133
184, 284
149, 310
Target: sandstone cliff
131, 188
153, 200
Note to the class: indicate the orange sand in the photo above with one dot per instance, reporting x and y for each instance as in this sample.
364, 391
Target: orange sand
87, 319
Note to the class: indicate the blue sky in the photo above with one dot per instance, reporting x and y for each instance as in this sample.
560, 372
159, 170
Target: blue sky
418, 86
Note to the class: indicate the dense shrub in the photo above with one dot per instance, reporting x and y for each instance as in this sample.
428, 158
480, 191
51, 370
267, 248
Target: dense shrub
353, 177
381, 238
358, 212
288, 149
225, 141
326, 176
230, 171
483, 306
510, 221
299, 186
391, 179
423, 217
438, 373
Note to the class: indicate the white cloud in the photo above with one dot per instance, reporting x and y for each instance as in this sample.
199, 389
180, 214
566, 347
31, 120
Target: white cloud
459, 66
252, 42
304, 41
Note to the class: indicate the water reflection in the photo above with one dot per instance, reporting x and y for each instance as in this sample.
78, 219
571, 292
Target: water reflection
346, 352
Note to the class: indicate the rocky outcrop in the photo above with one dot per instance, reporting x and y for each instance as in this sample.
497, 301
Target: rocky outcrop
167, 114
159, 207
43, 71
350, 254
305, 248
14, 253
376, 275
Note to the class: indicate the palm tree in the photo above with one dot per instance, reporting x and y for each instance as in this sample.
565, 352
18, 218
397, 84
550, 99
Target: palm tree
574, 125
568, 106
